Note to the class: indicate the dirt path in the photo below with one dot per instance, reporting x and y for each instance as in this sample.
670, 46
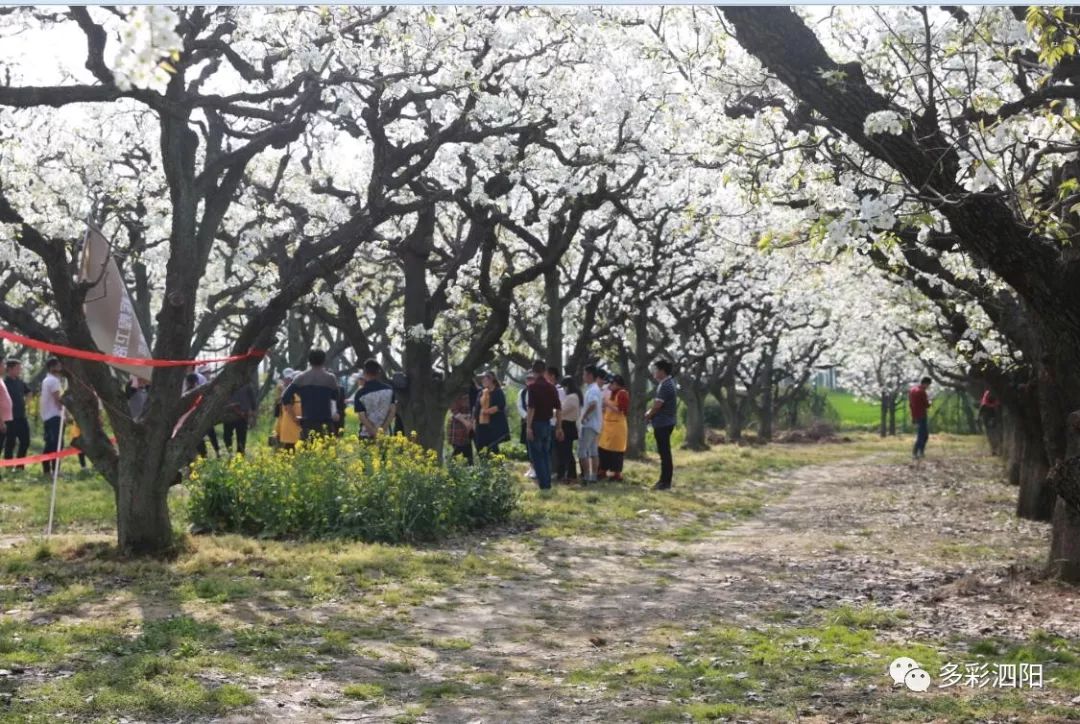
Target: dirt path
927, 541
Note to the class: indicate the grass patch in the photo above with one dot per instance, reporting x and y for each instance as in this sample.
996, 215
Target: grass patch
444, 690
968, 551
180, 638
364, 692
853, 413
836, 656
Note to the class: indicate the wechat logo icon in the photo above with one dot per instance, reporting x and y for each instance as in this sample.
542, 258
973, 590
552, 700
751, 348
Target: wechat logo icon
908, 672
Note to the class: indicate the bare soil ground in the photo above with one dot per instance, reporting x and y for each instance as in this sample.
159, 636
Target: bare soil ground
936, 544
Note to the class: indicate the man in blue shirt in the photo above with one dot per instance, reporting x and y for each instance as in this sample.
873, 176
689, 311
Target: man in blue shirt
375, 403
318, 392
662, 417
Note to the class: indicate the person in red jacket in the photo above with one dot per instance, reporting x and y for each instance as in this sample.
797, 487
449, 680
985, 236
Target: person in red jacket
919, 403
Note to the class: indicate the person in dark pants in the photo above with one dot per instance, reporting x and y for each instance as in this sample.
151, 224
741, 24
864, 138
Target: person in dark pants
523, 413
317, 391
17, 438
662, 417
375, 403
565, 462
543, 405
990, 413
919, 403
191, 382
51, 410
239, 416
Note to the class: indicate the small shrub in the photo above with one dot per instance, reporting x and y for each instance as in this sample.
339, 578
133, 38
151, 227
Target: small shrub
390, 491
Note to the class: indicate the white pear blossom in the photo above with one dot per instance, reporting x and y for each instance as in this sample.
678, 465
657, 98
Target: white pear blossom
148, 42
882, 122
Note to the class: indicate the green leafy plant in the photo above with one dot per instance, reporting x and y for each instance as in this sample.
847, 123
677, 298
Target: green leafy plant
390, 490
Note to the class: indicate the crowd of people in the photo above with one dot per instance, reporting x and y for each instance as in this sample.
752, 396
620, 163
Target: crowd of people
15, 427
313, 402
15, 394
556, 413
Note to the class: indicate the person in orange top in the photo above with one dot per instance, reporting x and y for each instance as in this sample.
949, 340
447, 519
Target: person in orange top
615, 432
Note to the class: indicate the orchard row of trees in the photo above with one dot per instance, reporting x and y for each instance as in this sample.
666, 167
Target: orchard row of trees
458, 188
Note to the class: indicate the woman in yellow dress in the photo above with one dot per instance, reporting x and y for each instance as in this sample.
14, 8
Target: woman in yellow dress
614, 435
287, 429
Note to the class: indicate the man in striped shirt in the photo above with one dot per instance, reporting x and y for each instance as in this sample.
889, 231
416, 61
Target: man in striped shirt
375, 403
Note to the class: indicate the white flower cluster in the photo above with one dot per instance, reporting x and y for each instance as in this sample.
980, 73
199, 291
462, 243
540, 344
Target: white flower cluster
976, 175
883, 122
148, 40
418, 332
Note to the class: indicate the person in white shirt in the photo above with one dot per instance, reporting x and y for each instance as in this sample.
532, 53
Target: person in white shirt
51, 410
590, 423
552, 376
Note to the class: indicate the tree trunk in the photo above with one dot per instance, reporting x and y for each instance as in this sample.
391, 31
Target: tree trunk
553, 301
639, 386
425, 415
1012, 448
884, 414
892, 414
298, 342
142, 507
1036, 501
733, 412
765, 431
693, 396
423, 404
1065, 536
1065, 542
969, 413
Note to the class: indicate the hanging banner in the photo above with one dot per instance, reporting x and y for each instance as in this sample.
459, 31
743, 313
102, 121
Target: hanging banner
108, 308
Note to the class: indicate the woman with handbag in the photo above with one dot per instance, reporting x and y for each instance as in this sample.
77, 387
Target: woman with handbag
492, 426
